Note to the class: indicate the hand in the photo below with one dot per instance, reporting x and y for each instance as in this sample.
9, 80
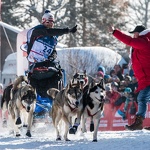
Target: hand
111, 29
73, 30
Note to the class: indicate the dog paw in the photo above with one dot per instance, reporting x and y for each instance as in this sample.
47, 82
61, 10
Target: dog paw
17, 135
71, 131
67, 139
28, 134
58, 139
18, 121
94, 140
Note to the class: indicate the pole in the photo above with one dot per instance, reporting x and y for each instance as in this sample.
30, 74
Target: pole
0, 46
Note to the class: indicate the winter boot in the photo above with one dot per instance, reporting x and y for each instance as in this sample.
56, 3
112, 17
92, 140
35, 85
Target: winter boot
147, 128
137, 125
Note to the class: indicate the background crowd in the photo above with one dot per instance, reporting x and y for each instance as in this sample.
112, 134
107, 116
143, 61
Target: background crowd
121, 88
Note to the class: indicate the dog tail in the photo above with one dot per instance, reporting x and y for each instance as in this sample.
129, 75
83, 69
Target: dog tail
2, 101
19, 81
17, 84
6, 95
52, 92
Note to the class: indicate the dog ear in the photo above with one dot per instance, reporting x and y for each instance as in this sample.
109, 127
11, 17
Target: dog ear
101, 84
85, 72
89, 87
52, 92
76, 75
78, 84
69, 84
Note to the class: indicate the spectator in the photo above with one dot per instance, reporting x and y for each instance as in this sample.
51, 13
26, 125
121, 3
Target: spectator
134, 84
115, 95
131, 73
140, 43
99, 76
128, 104
118, 72
108, 93
114, 77
107, 78
121, 86
127, 80
101, 68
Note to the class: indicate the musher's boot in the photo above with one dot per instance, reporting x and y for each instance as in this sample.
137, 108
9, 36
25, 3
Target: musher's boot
137, 125
147, 128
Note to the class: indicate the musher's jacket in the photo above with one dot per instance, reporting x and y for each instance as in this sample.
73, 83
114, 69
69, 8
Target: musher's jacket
41, 42
140, 56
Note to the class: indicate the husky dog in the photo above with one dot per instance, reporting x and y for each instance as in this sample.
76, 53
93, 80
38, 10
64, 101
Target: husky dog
82, 78
93, 102
67, 103
4, 103
23, 101
7, 95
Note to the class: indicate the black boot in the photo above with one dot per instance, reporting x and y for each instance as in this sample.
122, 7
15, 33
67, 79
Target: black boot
137, 125
147, 128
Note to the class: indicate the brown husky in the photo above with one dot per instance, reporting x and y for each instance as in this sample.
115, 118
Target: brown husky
67, 103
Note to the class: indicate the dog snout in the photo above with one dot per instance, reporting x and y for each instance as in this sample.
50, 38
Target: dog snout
77, 103
28, 108
102, 96
81, 82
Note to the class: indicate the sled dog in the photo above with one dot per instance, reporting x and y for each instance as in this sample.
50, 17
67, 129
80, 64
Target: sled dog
4, 104
80, 77
93, 102
23, 101
67, 103
7, 94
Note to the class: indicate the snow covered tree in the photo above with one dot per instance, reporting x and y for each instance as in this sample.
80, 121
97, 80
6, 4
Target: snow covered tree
139, 12
92, 16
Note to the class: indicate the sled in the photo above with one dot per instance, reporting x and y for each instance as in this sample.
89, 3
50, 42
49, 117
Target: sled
45, 75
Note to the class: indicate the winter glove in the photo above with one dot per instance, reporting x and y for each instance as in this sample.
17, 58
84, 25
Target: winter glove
73, 30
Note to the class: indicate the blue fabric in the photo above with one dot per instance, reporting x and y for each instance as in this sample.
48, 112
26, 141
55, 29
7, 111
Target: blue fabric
43, 104
142, 99
122, 114
46, 43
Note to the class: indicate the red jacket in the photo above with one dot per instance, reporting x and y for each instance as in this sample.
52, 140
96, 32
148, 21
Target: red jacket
140, 55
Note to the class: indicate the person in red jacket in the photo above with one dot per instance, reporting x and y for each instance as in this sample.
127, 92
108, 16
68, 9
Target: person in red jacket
140, 59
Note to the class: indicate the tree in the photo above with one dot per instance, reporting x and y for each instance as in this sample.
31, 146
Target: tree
25, 14
139, 12
93, 18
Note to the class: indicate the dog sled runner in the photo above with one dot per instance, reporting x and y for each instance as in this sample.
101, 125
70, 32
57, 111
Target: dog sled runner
42, 76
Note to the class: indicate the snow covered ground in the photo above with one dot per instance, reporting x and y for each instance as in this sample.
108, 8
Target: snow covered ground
43, 138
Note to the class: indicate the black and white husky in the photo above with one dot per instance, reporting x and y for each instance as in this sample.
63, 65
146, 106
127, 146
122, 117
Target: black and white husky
93, 103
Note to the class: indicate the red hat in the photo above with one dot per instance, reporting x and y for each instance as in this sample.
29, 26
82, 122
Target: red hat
100, 73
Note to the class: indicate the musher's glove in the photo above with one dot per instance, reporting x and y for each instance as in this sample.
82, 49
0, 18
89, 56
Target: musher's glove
73, 30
